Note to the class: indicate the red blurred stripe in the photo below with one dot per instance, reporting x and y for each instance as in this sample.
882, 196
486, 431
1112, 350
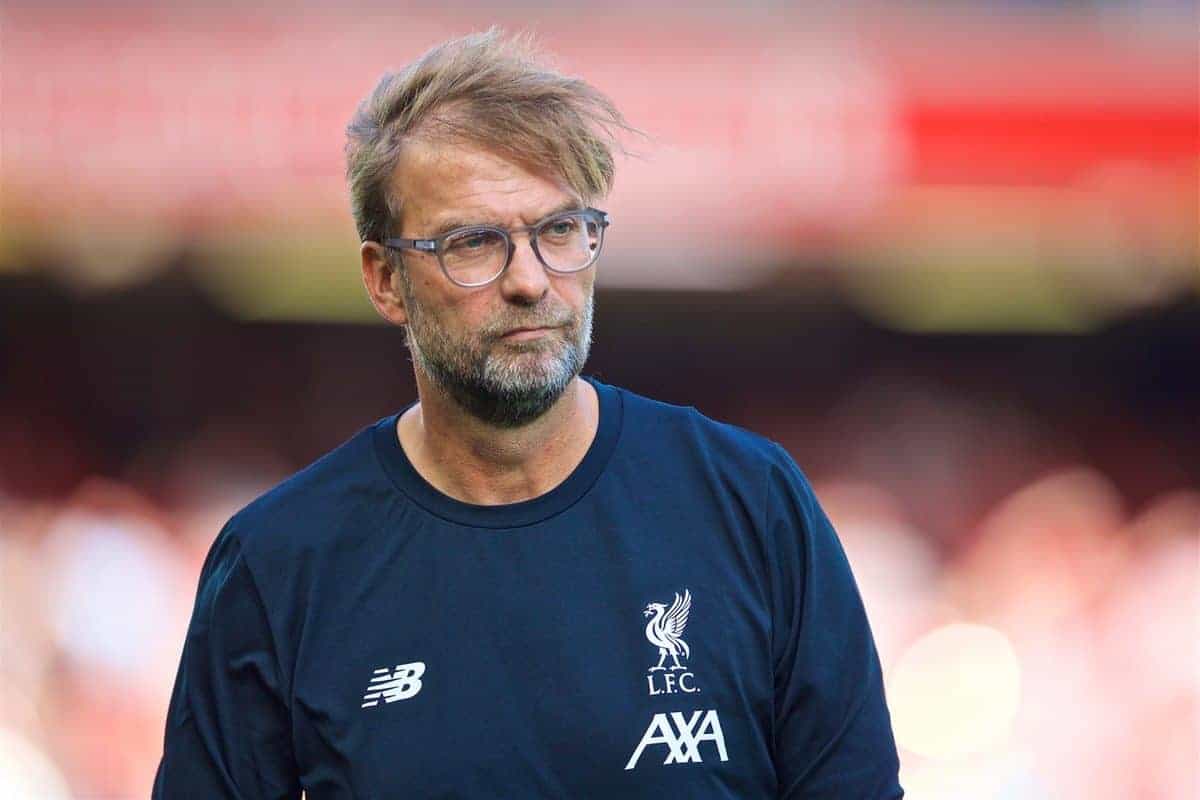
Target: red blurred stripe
1040, 143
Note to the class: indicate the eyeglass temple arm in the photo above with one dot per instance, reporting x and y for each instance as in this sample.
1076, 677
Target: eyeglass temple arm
428, 245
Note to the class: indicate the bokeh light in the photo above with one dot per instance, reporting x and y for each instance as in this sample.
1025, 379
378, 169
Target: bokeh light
955, 692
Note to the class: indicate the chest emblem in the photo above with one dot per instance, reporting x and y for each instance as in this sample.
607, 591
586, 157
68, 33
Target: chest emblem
664, 630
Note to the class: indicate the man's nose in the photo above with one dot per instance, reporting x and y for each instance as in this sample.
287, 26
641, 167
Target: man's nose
525, 281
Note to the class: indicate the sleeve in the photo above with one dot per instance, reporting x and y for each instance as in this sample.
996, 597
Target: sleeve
833, 735
228, 732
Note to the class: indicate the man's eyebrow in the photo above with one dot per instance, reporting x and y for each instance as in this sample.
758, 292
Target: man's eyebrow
569, 205
453, 223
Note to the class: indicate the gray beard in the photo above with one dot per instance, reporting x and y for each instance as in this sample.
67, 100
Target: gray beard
510, 388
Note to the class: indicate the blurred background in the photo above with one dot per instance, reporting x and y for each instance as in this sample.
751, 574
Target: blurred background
946, 253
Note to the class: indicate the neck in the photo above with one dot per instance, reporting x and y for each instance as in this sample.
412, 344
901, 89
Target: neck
475, 462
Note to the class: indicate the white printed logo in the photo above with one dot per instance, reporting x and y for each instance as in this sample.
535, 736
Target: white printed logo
399, 684
682, 747
665, 631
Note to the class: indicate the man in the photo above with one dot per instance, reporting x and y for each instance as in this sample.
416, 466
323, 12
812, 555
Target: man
528, 583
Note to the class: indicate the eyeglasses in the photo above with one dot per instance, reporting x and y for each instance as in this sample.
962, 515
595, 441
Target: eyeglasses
479, 254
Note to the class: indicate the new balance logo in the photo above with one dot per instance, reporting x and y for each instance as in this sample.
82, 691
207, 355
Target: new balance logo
392, 685
685, 746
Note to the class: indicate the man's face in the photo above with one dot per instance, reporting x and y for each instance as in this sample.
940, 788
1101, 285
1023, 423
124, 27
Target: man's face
506, 351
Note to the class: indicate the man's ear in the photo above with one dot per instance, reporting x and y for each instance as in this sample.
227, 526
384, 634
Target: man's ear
383, 285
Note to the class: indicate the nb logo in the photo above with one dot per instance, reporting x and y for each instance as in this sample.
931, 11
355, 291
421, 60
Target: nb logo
682, 737
392, 685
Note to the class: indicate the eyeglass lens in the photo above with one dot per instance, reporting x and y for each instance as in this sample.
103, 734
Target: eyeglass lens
566, 243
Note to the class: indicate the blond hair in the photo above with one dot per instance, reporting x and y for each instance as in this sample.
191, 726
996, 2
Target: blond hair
484, 89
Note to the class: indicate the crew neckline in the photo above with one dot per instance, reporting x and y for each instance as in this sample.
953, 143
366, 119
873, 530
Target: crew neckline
408, 481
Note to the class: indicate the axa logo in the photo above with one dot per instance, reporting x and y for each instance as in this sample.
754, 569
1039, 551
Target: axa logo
665, 631
400, 683
682, 737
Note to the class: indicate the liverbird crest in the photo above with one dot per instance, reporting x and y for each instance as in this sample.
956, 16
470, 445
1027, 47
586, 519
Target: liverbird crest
665, 630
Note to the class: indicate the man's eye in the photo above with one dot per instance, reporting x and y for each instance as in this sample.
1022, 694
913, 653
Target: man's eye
562, 227
480, 240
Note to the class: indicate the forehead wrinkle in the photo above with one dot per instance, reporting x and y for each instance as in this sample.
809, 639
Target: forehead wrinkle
448, 186
447, 222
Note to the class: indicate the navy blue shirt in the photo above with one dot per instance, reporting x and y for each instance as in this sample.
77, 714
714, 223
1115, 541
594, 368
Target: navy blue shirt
676, 619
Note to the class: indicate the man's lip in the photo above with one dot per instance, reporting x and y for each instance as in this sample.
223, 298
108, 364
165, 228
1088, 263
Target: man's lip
528, 330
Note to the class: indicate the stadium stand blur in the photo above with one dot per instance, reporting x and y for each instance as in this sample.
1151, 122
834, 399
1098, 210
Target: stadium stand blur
946, 255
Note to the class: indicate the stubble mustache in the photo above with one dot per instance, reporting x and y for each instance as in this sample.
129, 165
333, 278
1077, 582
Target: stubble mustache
550, 318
